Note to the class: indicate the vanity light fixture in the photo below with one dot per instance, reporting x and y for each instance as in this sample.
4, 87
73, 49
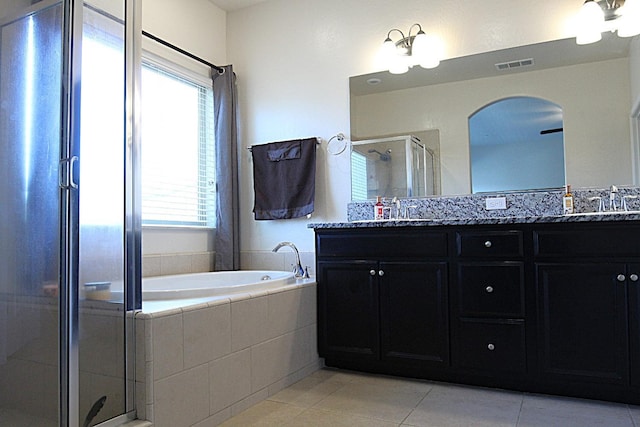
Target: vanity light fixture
596, 16
421, 49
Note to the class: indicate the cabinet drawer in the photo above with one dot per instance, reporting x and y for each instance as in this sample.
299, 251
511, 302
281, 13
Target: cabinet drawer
492, 346
610, 241
378, 243
491, 289
490, 243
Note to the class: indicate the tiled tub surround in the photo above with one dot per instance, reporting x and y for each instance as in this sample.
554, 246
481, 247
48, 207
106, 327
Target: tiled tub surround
283, 260
200, 364
519, 205
179, 263
202, 262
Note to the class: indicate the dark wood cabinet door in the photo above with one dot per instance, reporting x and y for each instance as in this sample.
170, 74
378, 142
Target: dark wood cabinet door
633, 275
348, 310
582, 328
413, 313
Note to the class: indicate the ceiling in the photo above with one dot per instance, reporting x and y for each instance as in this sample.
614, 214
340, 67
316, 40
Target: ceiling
231, 5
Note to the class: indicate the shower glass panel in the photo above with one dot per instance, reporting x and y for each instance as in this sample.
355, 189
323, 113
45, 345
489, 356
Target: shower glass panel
30, 100
102, 312
65, 352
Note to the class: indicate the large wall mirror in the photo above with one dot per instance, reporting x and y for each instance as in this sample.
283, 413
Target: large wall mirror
591, 83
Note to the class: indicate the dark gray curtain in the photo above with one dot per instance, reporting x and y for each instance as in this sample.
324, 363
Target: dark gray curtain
227, 239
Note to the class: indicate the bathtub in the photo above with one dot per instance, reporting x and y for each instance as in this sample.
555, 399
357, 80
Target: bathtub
219, 283
201, 359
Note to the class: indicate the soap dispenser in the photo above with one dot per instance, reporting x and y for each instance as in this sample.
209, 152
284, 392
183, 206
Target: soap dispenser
567, 201
378, 209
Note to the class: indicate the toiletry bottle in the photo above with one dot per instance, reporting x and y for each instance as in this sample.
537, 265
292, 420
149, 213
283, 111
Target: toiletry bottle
378, 211
567, 201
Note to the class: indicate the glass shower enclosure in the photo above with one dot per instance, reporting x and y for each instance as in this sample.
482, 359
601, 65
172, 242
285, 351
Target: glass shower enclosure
69, 235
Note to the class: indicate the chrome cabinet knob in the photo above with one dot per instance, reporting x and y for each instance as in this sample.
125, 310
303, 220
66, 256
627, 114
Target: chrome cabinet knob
634, 277
489, 289
372, 272
621, 278
381, 273
487, 244
491, 347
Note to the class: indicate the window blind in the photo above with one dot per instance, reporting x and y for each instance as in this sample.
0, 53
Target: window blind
178, 161
358, 176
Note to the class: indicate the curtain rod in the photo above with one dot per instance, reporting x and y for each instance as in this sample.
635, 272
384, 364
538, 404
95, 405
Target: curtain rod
220, 70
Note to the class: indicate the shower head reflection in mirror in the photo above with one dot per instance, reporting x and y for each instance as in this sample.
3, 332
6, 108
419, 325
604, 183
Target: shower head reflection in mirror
396, 166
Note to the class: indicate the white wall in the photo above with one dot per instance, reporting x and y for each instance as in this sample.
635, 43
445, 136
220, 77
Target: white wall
294, 57
634, 59
197, 26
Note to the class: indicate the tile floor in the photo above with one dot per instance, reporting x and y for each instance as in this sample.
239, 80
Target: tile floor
344, 398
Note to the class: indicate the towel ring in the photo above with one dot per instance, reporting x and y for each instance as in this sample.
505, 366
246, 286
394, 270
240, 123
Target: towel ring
339, 137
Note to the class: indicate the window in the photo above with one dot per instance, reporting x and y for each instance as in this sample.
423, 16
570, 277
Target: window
358, 176
177, 160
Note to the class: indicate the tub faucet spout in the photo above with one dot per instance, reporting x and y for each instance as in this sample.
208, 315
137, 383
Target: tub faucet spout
298, 271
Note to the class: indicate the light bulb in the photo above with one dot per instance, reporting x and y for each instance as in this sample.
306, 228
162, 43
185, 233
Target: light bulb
388, 49
427, 50
393, 60
590, 22
399, 64
419, 47
629, 21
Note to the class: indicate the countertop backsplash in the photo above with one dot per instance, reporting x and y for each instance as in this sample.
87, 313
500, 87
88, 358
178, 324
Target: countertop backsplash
518, 204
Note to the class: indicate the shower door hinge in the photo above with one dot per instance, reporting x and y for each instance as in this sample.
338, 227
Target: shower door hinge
67, 173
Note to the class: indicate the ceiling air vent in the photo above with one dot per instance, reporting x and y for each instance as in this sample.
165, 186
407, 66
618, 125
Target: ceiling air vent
502, 66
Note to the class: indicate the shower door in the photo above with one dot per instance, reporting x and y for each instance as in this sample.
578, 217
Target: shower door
66, 325
30, 128
102, 317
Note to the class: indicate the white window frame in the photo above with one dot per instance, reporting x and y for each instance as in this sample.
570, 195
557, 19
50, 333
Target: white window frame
198, 76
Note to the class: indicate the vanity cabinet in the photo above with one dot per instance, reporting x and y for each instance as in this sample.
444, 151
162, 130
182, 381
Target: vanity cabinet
551, 308
389, 309
586, 281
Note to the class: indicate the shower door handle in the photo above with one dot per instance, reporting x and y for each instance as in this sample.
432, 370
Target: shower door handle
72, 181
66, 177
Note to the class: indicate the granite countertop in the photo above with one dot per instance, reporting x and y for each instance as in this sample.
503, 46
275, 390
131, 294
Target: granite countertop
588, 217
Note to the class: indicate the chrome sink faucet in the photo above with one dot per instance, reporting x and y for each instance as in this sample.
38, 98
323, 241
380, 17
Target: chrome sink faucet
298, 271
398, 208
612, 198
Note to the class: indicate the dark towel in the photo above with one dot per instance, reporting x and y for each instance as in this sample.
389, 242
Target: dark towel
284, 179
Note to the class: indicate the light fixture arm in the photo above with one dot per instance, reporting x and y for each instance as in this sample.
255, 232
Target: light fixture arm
405, 42
610, 8
419, 32
392, 30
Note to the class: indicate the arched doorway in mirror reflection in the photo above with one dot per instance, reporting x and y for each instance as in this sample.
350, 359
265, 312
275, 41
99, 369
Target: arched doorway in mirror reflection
517, 144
